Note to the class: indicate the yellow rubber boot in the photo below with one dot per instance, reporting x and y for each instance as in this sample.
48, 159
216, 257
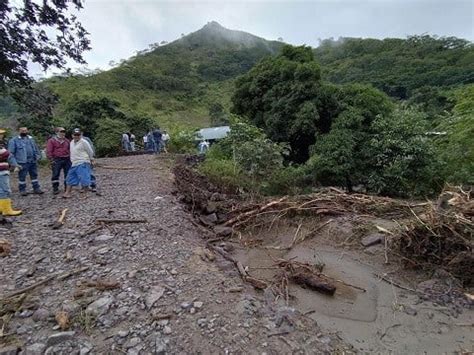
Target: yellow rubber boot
6, 208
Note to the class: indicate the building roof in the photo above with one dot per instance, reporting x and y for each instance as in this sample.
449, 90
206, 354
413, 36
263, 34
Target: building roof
212, 133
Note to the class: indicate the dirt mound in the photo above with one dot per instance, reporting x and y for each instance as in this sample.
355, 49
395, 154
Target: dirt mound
443, 236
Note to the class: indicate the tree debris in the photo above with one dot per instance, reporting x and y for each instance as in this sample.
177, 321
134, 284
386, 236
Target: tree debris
5, 247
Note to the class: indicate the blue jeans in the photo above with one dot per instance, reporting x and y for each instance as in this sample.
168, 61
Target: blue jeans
5, 190
59, 164
32, 170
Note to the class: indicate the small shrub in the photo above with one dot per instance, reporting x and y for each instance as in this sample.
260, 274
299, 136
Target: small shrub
224, 173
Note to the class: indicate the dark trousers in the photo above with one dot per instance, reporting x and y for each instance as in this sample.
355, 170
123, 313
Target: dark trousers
59, 164
31, 169
93, 180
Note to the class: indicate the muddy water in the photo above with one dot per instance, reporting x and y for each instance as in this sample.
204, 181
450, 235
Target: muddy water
374, 320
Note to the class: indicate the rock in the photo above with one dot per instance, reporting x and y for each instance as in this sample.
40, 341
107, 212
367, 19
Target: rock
372, 239
186, 305
131, 343
174, 272
160, 346
59, 338
103, 238
71, 307
123, 333
410, 310
35, 349
208, 220
9, 350
211, 207
202, 322
86, 348
197, 304
222, 231
167, 330
155, 293
100, 306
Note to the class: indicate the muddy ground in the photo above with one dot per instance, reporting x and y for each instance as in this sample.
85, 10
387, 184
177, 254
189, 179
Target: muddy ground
146, 288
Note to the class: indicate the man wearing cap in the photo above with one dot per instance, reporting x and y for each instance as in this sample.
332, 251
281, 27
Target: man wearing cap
57, 151
6, 163
82, 157
24, 150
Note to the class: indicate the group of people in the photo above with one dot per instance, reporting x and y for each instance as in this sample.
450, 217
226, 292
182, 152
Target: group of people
75, 158
156, 141
128, 142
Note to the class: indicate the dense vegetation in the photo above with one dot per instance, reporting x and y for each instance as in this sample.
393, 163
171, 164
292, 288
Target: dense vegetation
391, 116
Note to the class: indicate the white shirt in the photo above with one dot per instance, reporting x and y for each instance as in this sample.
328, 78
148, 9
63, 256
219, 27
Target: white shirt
81, 152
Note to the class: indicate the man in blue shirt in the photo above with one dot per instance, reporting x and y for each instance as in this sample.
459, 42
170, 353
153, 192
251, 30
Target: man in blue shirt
26, 154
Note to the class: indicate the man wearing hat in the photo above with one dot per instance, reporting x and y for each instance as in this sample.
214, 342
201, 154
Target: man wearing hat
24, 150
82, 157
6, 163
57, 151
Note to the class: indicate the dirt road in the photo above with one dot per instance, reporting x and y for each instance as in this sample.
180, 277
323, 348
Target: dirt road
133, 288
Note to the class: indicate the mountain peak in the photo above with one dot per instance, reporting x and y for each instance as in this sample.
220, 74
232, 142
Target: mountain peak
215, 35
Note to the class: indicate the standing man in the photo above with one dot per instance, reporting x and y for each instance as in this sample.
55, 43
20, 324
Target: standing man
93, 178
132, 141
82, 157
57, 151
165, 139
157, 138
26, 154
126, 142
6, 163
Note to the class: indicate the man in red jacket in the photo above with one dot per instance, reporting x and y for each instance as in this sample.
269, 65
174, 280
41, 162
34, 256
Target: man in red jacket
57, 151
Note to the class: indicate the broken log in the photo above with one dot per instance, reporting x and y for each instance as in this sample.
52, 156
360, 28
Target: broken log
106, 220
60, 222
313, 282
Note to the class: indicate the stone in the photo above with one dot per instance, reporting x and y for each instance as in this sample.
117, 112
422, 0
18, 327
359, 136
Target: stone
208, 220
41, 314
198, 304
167, 330
59, 338
155, 293
35, 349
100, 306
71, 307
123, 333
211, 207
9, 350
86, 348
186, 305
160, 346
410, 310
222, 231
131, 343
103, 238
372, 239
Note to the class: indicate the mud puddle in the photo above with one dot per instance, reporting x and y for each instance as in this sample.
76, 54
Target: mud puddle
376, 320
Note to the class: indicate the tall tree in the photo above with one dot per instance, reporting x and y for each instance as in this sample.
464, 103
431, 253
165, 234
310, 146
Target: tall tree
43, 32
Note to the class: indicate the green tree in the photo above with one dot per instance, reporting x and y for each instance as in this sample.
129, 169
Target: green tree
109, 133
218, 115
42, 32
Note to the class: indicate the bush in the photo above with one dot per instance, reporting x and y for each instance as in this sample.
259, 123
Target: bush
224, 173
109, 135
182, 140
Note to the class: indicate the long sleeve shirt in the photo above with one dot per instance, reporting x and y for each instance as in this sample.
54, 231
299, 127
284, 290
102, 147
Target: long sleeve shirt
24, 149
81, 152
57, 148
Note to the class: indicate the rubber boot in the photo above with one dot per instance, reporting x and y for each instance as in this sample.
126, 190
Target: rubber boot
6, 208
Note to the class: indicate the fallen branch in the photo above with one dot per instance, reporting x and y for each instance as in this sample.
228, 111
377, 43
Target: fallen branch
59, 276
60, 222
391, 282
90, 231
106, 220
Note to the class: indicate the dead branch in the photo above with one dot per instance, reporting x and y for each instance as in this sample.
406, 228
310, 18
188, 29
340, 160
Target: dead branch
125, 220
391, 282
60, 222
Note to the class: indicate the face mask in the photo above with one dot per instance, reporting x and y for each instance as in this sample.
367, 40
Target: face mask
23, 134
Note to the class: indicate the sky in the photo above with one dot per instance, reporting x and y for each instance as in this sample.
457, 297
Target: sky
119, 28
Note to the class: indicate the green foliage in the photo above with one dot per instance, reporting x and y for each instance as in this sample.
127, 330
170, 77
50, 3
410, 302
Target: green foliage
392, 155
224, 172
398, 66
35, 110
455, 145
218, 115
182, 140
108, 136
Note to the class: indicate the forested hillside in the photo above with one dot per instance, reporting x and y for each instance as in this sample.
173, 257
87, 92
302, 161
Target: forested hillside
399, 67
175, 82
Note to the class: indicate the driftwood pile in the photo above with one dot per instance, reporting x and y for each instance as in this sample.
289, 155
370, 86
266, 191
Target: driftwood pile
443, 236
